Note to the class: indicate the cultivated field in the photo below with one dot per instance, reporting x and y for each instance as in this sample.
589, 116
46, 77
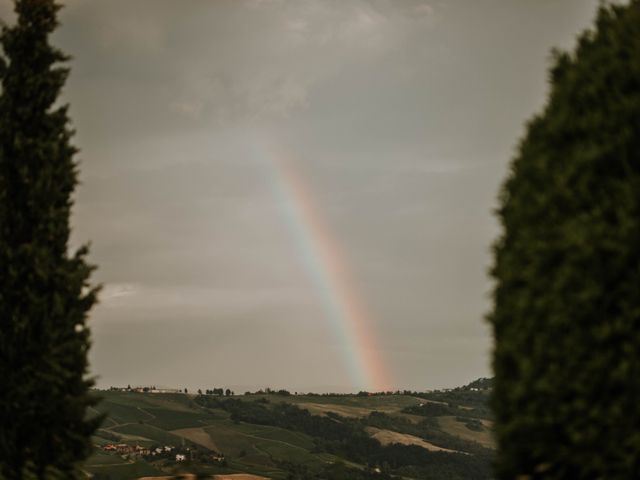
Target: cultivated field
256, 451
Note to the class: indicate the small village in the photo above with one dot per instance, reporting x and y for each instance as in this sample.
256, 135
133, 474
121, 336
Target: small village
166, 452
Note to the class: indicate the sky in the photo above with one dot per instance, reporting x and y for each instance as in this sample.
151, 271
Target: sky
298, 194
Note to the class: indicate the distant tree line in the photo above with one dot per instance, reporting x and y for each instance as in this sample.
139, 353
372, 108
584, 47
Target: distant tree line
217, 391
362, 393
432, 409
475, 402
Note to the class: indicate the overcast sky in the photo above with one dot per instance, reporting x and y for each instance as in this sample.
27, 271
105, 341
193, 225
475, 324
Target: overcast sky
402, 117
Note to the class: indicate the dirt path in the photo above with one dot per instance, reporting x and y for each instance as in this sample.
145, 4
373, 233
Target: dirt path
273, 440
153, 417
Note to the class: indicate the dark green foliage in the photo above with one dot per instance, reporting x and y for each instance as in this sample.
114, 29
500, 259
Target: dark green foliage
436, 410
44, 292
566, 318
479, 384
461, 402
471, 424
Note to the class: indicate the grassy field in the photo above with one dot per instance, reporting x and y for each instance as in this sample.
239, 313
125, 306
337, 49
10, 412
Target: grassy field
458, 429
150, 432
264, 444
151, 419
351, 405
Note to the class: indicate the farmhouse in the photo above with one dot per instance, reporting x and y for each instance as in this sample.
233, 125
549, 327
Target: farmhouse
119, 448
124, 449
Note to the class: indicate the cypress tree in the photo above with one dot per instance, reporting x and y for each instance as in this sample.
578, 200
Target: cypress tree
44, 291
566, 315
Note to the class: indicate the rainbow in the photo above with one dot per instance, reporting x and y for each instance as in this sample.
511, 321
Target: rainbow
329, 271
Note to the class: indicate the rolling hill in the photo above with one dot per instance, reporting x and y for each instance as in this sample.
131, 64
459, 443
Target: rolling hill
430, 435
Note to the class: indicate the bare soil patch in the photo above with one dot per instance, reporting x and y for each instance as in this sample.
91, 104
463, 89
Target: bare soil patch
387, 437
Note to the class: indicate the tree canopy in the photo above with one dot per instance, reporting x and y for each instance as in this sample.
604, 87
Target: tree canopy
44, 291
566, 315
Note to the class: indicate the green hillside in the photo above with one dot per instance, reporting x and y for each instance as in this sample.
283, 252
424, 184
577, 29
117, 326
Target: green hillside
434, 435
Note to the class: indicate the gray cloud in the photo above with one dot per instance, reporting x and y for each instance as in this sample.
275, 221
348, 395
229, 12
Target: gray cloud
402, 116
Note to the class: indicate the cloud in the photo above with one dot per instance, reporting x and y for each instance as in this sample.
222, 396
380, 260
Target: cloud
114, 291
423, 9
402, 119
133, 31
297, 26
163, 297
261, 4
